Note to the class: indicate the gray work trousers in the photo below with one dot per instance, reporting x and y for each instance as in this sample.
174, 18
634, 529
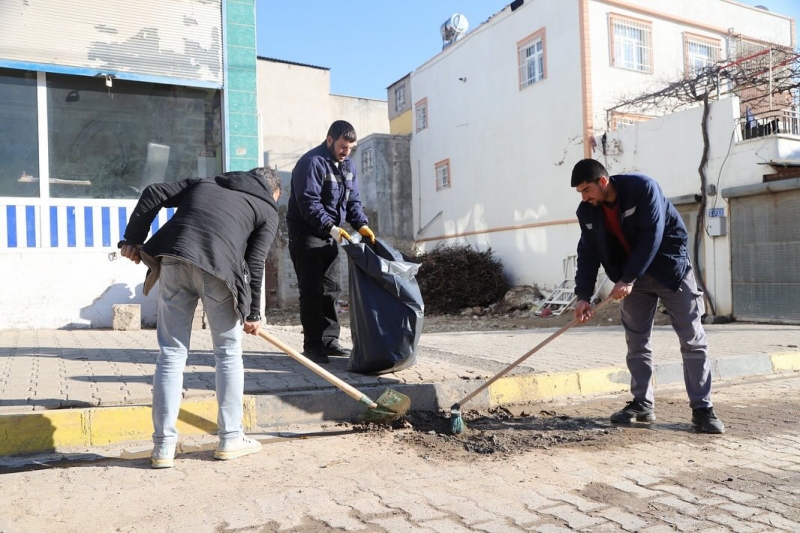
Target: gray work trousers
685, 309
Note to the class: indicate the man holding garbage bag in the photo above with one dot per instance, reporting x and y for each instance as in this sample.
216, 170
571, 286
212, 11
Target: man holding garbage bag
324, 194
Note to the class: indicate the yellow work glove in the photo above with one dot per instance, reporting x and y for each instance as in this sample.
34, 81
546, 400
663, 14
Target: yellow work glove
366, 232
338, 234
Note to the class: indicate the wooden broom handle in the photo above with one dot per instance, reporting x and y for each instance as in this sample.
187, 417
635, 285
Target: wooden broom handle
530, 352
311, 365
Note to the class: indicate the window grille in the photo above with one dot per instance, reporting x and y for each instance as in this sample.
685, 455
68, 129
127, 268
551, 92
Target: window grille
443, 175
421, 113
367, 162
400, 98
531, 59
699, 53
632, 44
623, 120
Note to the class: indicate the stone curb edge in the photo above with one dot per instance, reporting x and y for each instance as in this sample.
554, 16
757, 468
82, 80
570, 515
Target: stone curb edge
41, 431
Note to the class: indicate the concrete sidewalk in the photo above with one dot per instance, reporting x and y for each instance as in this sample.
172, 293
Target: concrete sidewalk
82, 388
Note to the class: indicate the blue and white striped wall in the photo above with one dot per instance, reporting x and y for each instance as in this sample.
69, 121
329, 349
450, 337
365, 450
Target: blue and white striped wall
67, 226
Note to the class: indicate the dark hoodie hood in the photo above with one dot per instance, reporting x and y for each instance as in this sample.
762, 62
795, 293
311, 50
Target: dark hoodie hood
248, 183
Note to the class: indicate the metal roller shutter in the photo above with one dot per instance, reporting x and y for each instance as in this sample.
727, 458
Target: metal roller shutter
765, 257
166, 38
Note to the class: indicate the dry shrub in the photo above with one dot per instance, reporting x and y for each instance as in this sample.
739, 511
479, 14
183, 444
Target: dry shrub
454, 277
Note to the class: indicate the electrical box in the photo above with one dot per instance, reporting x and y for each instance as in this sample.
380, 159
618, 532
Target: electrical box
717, 226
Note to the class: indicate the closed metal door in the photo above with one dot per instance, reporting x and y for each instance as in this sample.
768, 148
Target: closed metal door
765, 257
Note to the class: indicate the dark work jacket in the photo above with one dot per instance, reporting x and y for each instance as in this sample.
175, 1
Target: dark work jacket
323, 196
651, 225
223, 225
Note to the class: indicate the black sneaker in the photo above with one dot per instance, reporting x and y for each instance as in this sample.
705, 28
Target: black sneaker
316, 354
705, 421
633, 410
336, 350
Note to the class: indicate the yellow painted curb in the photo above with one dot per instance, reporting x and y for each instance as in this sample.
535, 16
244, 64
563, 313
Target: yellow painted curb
115, 424
250, 417
529, 387
603, 380
42, 430
110, 425
785, 361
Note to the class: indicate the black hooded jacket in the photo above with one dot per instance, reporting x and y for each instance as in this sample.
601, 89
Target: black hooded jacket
223, 225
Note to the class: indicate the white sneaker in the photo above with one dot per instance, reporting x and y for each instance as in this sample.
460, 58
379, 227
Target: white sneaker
234, 448
163, 456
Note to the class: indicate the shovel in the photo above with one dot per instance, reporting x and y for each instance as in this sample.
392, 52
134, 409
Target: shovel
391, 405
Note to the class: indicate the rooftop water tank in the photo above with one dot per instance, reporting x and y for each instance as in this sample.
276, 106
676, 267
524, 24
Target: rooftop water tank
453, 29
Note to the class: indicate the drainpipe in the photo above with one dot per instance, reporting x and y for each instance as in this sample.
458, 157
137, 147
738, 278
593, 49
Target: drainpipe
770, 79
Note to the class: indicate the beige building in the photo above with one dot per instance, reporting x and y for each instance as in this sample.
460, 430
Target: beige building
296, 107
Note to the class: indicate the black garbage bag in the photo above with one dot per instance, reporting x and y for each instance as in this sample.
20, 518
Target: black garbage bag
386, 308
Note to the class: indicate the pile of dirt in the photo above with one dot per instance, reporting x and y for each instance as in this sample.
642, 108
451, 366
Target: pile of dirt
492, 432
581, 425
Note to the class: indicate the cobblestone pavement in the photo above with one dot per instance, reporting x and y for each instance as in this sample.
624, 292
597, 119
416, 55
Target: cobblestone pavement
645, 478
51, 369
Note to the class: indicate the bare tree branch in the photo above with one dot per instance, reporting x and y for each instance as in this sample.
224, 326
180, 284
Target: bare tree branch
764, 80
772, 74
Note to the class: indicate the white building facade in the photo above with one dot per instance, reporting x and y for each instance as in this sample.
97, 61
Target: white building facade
510, 108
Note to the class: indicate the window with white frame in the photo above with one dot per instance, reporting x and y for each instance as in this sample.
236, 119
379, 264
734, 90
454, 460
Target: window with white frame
699, 53
421, 114
443, 175
622, 120
631, 44
367, 162
400, 98
531, 59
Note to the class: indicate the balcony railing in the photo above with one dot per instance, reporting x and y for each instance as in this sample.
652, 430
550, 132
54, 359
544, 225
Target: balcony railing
784, 121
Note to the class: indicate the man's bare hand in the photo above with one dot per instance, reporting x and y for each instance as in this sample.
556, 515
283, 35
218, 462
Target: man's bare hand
252, 328
621, 290
583, 311
131, 252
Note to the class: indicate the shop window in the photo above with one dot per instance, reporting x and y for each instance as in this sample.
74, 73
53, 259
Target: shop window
19, 134
112, 139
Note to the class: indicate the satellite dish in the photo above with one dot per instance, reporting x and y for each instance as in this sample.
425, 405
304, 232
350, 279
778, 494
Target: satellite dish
453, 29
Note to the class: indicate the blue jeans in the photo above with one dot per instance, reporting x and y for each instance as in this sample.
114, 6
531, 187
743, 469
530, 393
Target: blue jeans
685, 309
180, 286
